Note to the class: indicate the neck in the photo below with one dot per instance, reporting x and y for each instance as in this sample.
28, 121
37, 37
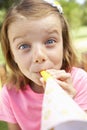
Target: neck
36, 88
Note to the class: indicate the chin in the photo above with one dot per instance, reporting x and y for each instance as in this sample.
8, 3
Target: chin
38, 83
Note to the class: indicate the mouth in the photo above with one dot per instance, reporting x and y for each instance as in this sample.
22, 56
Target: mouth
39, 70
39, 73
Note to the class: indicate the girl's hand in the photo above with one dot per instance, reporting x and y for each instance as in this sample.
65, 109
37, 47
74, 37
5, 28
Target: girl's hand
64, 80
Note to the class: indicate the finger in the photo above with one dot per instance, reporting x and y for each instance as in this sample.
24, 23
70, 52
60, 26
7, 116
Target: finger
59, 74
68, 88
63, 76
55, 72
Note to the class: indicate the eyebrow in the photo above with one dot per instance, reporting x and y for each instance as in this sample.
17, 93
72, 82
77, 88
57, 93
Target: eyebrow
52, 30
15, 38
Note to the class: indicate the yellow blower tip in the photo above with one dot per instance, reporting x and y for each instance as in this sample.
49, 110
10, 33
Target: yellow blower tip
45, 75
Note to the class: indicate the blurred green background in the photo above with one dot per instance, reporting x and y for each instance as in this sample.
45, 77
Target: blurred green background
76, 14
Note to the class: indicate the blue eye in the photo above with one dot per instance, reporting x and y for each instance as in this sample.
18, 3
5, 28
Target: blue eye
50, 42
24, 46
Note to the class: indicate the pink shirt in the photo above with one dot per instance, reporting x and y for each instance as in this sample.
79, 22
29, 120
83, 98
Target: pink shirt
24, 107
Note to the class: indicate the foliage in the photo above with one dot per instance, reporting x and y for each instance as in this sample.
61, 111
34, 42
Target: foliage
2, 15
3, 125
84, 16
6, 3
80, 33
71, 9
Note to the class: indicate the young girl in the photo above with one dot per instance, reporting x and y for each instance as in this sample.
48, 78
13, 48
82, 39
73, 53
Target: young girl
35, 37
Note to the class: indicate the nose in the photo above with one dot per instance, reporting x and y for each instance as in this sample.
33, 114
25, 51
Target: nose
40, 55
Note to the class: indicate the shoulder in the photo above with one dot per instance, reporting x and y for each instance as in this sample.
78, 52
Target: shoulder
7, 89
77, 70
6, 93
79, 78
10, 91
4, 90
8, 96
78, 73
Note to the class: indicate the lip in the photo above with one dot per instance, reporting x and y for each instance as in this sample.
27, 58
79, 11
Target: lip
37, 74
38, 68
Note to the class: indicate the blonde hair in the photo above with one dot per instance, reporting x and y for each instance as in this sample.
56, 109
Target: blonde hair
34, 9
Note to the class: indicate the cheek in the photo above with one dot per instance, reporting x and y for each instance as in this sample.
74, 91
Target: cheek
23, 64
22, 61
57, 57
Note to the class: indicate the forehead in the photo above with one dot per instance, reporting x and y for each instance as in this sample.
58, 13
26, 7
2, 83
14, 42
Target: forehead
23, 24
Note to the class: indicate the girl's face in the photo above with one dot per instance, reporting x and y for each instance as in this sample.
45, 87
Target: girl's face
36, 45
